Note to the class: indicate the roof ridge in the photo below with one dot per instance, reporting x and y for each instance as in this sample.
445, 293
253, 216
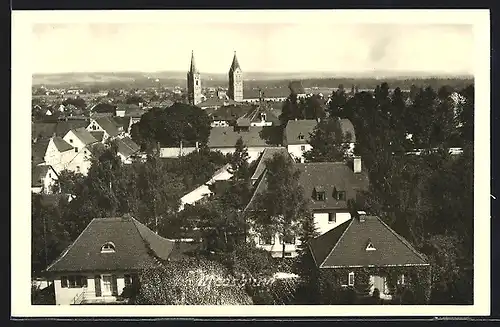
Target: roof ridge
403, 240
256, 189
70, 246
338, 241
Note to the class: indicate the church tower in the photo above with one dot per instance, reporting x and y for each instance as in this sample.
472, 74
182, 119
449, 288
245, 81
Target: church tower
235, 80
193, 83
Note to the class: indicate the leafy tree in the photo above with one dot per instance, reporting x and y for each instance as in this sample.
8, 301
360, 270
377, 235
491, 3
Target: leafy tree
283, 203
329, 143
312, 107
338, 101
290, 109
134, 99
466, 114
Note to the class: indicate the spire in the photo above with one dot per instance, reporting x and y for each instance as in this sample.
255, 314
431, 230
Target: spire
235, 63
192, 68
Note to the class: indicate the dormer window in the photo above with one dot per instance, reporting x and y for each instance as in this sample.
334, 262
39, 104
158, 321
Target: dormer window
319, 193
370, 246
108, 247
301, 136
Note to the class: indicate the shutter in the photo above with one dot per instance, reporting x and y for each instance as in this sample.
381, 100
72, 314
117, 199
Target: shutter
114, 286
97, 283
64, 281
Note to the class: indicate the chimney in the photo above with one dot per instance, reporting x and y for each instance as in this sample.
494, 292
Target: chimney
357, 164
318, 120
197, 145
361, 216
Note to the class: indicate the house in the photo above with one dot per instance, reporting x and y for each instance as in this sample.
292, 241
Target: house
84, 144
297, 135
58, 153
81, 162
103, 108
43, 179
127, 149
104, 259
216, 102
130, 110
363, 244
172, 152
123, 123
79, 138
38, 150
203, 191
329, 186
227, 115
256, 139
107, 125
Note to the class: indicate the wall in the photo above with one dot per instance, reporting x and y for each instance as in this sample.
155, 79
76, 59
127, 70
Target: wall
175, 152
296, 150
49, 181
81, 162
276, 249
57, 159
253, 152
262, 123
321, 220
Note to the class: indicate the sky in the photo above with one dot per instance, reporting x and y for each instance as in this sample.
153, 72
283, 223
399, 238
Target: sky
260, 47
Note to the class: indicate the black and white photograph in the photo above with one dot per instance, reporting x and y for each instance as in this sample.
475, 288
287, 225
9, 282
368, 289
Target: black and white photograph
188, 162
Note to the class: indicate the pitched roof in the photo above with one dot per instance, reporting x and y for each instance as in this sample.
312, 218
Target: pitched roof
98, 135
268, 153
61, 144
108, 125
192, 66
135, 246
101, 114
103, 107
38, 150
84, 136
328, 176
127, 147
216, 102
43, 130
226, 137
267, 93
228, 113
124, 122
63, 127
38, 173
345, 246
304, 127
235, 64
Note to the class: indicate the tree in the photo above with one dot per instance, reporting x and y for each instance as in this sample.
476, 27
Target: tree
338, 101
283, 203
312, 107
466, 114
290, 109
329, 143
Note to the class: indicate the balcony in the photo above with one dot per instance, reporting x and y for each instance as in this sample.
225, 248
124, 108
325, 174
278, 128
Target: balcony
89, 297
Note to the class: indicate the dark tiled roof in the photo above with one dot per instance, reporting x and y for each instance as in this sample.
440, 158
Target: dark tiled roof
295, 128
108, 125
38, 173
345, 246
127, 147
96, 115
228, 113
135, 246
43, 130
104, 107
38, 151
63, 127
268, 153
216, 102
97, 135
84, 136
61, 144
235, 64
124, 122
268, 93
226, 137
327, 176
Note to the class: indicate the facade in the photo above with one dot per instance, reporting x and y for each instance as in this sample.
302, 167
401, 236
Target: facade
128, 150
58, 153
194, 83
235, 90
105, 259
366, 251
107, 126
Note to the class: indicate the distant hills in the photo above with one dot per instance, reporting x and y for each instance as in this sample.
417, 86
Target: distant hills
176, 77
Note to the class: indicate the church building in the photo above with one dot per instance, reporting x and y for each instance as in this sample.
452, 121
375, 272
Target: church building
194, 83
235, 90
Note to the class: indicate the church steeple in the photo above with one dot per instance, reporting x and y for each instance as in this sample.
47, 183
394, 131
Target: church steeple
235, 64
235, 80
193, 83
192, 68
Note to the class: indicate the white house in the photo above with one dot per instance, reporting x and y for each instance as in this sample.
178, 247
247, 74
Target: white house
84, 144
127, 149
329, 186
104, 259
107, 126
203, 191
58, 153
43, 179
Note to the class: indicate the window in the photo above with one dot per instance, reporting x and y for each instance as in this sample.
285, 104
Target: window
370, 247
302, 148
401, 279
341, 196
332, 218
288, 254
93, 127
197, 82
75, 281
350, 279
320, 196
127, 279
76, 149
288, 240
108, 247
50, 175
78, 168
266, 240
301, 137
70, 140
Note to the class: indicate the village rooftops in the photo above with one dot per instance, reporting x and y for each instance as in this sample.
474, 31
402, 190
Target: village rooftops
61, 144
129, 245
216, 102
268, 153
127, 147
298, 131
226, 137
335, 180
364, 243
38, 173
84, 136
108, 125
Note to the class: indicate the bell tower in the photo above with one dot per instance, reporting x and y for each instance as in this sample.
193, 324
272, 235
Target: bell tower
235, 89
193, 83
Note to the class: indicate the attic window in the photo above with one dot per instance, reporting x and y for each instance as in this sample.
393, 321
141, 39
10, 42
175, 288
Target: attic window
108, 247
301, 137
370, 247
